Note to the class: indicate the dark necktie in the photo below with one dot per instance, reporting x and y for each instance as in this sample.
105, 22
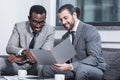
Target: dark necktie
73, 35
32, 43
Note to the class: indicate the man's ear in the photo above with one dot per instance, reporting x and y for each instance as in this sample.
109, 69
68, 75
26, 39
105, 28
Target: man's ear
74, 14
28, 17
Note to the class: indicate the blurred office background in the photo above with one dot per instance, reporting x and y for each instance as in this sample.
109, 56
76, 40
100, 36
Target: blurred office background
104, 14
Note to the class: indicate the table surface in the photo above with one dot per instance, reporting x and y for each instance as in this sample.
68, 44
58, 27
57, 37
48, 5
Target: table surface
26, 78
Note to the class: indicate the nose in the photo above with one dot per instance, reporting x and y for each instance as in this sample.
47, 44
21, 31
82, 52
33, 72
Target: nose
38, 25
63, 21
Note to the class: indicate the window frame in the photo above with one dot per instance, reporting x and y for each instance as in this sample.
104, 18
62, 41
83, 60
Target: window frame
99, 25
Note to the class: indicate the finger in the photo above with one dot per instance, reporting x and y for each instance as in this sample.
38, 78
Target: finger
27, 53
59, 68
58, 65
19, 59
31, 57
11, 58
33, 60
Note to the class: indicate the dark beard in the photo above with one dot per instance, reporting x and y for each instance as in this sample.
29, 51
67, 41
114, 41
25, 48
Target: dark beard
72, 24
71, 27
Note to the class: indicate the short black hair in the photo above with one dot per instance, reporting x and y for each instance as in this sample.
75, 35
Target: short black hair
70, 8
37, 9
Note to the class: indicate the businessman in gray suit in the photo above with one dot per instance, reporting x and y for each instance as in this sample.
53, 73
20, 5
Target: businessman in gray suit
32, 34
88, 63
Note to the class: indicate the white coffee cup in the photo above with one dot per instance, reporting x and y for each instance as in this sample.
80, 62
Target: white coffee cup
59, 77
22, 73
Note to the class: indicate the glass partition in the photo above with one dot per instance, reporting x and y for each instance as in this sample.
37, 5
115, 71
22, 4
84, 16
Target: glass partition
96, 12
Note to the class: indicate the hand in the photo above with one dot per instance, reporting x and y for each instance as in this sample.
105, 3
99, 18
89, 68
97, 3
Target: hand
14, 58
29, 55
62, 67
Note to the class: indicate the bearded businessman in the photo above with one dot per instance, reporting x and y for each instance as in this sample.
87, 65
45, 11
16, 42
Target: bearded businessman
88, 63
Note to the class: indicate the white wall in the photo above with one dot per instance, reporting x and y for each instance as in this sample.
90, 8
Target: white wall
110, 36
12, 11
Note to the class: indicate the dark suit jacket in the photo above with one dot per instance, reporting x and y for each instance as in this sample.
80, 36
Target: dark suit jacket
87, 44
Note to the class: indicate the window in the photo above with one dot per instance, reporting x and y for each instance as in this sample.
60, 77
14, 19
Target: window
96, 12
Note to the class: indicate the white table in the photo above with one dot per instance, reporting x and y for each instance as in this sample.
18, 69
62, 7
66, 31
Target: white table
26, 78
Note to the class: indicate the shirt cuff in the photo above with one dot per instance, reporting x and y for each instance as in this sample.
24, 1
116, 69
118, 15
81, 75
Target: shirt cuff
71, 67
20, 52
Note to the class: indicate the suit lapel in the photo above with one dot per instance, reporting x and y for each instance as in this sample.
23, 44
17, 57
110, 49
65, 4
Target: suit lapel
27, 36
28, 40
40, 38
78, 33
39, 41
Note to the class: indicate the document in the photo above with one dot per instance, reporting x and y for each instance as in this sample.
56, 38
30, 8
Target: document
61, 53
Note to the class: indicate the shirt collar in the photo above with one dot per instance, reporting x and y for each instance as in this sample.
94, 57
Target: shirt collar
31, 31
76, 25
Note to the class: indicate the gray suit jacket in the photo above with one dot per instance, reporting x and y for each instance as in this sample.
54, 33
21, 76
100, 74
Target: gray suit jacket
22, 34
87, 44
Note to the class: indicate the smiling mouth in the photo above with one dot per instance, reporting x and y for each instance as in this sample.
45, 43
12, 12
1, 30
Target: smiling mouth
66, 25
37, 28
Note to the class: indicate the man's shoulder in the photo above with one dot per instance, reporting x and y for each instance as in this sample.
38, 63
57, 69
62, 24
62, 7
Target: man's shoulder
88, 30
88, 26
22, 24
